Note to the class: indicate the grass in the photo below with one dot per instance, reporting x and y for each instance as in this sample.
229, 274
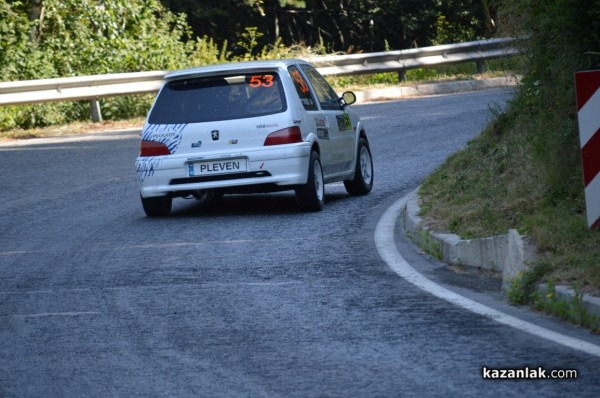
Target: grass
522, 172
548, 301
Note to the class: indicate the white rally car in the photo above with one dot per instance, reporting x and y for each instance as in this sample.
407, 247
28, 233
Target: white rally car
258, 126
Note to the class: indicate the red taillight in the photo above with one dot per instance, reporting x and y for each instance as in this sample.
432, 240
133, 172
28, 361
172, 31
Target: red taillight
288, 135
153, 148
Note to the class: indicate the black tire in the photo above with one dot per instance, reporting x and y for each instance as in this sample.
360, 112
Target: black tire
311, 196
362, 182
159, 206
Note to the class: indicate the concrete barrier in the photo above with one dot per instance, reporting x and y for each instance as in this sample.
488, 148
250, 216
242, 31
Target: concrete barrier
487, 253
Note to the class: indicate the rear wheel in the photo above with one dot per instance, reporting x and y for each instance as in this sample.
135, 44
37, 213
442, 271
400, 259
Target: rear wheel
311, 196
159, 206
362, 182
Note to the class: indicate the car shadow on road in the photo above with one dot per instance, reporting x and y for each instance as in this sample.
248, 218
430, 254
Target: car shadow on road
283, 203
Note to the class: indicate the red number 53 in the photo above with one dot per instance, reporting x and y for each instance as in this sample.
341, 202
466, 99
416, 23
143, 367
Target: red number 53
261, 80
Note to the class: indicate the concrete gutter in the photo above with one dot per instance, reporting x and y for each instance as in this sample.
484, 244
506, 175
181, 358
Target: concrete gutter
508, 254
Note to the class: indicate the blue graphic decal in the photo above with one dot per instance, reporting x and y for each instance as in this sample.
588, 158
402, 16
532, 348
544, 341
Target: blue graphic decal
145, 166
168, 134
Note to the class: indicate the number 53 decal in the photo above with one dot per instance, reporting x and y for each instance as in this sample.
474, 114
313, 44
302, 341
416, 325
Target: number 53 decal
261, 81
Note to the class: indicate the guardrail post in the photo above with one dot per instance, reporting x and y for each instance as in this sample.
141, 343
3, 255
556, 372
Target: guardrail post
96, 111
402, 75
480, 66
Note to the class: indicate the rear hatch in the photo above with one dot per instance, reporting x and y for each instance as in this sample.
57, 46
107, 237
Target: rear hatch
223, 113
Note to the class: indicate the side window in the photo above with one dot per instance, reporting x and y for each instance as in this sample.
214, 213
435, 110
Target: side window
302, 89
327, 97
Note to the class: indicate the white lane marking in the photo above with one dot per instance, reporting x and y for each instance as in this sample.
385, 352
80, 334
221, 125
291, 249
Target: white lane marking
45, 314
205, 285
210, 285
203, 243
386, 246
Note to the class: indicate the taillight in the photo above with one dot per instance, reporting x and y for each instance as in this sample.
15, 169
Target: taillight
288, 135
153, 148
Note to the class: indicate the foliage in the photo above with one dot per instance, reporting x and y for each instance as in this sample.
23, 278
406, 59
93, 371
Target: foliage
342, 25
61, 38
572, 310
19, 58
523, 285
249, 41
87, 37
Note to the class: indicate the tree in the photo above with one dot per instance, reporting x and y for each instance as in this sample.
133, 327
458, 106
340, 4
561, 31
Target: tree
36, 17
61, 38
342, 25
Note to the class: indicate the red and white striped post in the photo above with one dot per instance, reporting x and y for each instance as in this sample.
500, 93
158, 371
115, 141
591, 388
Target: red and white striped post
588, 108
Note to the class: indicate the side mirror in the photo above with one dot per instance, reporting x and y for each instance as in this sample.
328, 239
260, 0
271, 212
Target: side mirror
348, 98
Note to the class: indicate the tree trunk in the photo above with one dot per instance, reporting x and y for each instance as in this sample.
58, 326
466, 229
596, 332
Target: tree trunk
490, 24
36, 13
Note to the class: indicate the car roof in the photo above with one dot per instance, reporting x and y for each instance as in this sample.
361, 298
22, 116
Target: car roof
255, 66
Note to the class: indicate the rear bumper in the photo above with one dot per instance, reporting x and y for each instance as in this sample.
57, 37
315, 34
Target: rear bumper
280, 166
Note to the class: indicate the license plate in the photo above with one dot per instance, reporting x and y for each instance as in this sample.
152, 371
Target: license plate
217, 167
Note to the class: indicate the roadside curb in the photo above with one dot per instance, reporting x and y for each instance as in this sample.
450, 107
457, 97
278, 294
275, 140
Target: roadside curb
507, 254
435, 88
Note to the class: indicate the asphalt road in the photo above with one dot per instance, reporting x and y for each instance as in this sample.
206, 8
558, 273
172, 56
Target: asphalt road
247, 298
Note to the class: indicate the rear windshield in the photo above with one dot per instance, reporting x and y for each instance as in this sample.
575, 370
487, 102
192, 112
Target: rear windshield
218, 98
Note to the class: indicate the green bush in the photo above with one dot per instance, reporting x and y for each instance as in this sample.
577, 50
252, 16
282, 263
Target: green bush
83, 37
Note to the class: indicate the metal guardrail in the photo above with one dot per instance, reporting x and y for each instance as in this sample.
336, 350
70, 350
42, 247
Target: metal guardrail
79, 88
94, 87
403, 60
